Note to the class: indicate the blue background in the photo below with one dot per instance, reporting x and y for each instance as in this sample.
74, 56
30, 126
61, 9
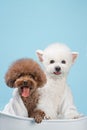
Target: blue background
28, 25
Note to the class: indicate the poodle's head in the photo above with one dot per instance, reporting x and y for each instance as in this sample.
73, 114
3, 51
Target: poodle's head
26, 75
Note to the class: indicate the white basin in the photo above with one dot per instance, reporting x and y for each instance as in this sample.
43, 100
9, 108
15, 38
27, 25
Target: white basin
9, 122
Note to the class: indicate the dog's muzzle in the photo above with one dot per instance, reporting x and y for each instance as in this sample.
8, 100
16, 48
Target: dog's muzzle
25, 91
57, 70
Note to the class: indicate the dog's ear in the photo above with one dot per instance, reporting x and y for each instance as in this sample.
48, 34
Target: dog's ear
10, 83
74, 56
40, 55
41, 79
10, 78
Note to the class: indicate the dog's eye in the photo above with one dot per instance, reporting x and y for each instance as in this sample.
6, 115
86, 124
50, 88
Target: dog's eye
30, 75
52, 61
63, 62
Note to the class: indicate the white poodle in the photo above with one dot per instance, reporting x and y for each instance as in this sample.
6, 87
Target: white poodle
56, 99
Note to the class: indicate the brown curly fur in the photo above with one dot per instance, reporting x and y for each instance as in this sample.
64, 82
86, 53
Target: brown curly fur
26, 72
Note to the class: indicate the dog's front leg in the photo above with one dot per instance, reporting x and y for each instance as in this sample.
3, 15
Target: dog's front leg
38, 115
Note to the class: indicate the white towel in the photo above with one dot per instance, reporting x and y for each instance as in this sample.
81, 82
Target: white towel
16, 106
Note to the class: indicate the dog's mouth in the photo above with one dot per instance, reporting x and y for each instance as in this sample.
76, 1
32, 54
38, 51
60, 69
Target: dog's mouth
57, 73
25, 91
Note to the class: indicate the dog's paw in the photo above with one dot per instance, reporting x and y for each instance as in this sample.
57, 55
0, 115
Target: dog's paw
47, 117
38, 119
72, 116
39, 116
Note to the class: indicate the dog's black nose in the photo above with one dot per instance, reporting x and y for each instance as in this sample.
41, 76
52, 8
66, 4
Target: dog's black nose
25, 83
57, 69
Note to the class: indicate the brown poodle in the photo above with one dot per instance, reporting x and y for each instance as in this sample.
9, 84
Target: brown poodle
27, 76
